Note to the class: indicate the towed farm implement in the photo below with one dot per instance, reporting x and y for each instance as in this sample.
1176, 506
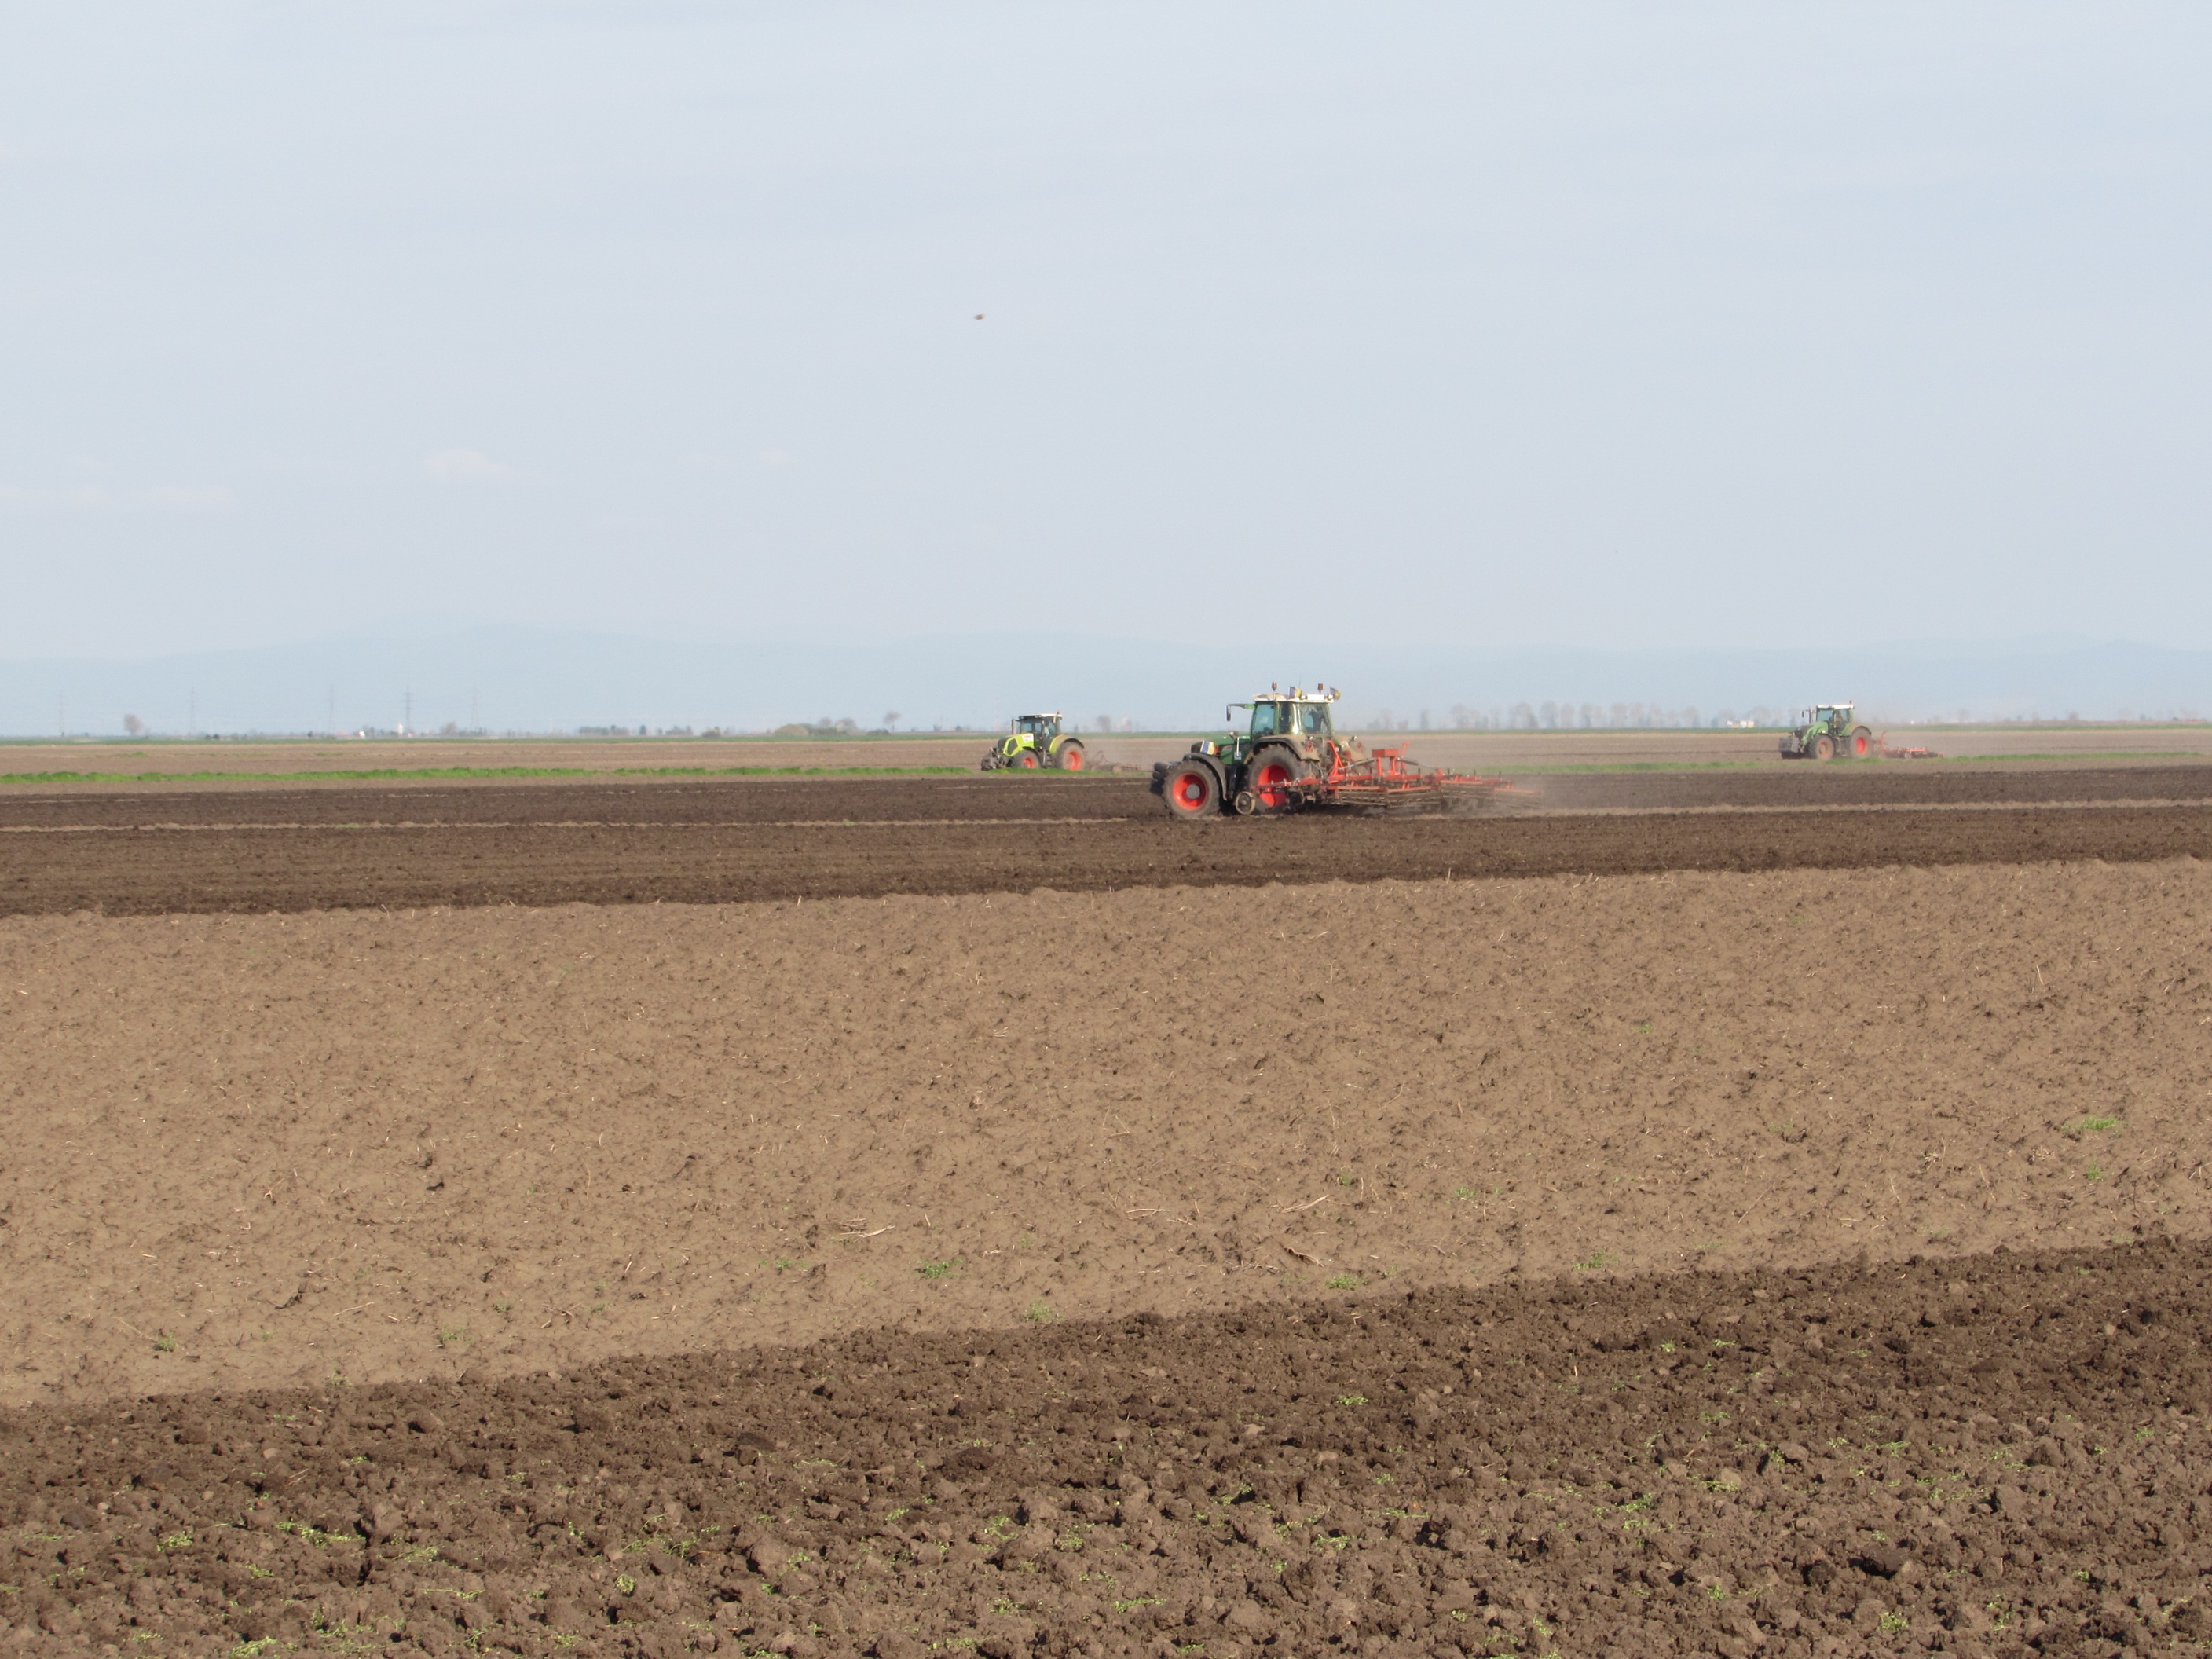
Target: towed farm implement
1831, 730
1289, 759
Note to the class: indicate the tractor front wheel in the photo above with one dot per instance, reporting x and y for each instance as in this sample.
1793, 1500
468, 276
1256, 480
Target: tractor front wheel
1824, 747
1192, 791
1069, 757
1026, 760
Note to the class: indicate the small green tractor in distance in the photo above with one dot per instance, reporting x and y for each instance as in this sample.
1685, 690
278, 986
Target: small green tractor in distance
1289, 759
1826, 730
1035, 741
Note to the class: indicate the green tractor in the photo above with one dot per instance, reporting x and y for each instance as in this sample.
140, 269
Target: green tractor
1035, 741
1292, 758
1826, 730
1291, 742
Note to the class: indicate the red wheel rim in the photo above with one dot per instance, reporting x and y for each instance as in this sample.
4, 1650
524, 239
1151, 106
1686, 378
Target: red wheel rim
1273, 785
1190, 791
1028, 762
1071, 760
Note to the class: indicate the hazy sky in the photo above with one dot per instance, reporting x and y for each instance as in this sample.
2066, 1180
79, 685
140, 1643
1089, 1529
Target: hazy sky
1615, 325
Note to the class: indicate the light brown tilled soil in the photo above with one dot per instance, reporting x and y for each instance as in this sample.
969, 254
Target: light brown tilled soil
254, 1150
2004, 1456
602, 755
1497, 751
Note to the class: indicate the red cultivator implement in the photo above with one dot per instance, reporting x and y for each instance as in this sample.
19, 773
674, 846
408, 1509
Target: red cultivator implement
1892, 752
1384, 781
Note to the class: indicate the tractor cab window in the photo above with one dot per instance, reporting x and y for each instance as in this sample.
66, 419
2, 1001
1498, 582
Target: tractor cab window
1313, 719
1264, 718
1028, 723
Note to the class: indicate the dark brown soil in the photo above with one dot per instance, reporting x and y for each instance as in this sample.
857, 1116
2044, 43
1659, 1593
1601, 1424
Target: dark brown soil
1044, 797
1996, 1456
213, 868
994, 797
1889, 783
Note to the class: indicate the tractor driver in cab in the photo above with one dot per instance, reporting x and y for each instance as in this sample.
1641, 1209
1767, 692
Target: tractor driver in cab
1297, 715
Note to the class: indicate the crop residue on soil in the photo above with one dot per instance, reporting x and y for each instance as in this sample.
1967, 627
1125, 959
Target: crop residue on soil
278, 1150
1984, 1457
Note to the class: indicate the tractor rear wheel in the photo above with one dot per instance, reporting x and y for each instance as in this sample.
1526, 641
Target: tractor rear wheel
1824, 747
1069, 756
1192, 791
1862, 743
1274, 771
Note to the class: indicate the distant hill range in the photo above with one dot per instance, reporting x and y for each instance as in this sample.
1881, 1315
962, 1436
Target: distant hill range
519, 679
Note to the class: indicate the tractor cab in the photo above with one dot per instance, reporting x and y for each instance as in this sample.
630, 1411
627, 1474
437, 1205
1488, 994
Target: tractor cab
1299, 717
1832, 717
1040, 729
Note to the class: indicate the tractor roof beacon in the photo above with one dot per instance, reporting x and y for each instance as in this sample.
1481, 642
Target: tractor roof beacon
1289, 759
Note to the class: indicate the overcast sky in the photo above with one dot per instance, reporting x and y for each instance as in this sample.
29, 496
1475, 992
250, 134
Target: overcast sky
1611, 325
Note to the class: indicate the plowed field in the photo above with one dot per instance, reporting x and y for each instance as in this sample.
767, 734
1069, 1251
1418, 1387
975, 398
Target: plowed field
705, 844
1771, 1227
1019, 796
388, 1145
1997, 1456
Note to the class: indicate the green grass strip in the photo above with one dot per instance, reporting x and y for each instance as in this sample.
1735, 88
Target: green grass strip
371, 775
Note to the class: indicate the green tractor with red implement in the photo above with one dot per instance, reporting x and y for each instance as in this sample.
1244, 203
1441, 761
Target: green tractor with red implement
1828, 730
1289, 758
